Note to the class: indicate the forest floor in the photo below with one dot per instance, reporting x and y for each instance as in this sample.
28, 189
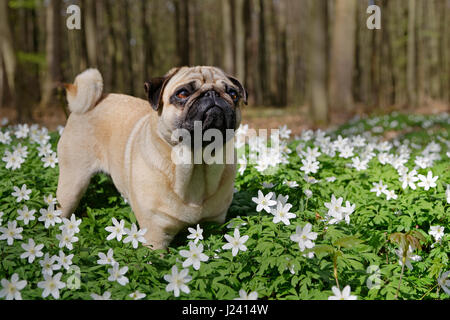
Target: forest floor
296, 118
357, 248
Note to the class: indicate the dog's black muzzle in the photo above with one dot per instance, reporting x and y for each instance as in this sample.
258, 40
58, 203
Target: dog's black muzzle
213, 112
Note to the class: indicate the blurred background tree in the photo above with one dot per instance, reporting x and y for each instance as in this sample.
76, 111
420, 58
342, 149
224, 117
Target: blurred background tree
296, 53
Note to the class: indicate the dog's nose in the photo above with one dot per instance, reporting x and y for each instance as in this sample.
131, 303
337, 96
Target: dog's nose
211, 94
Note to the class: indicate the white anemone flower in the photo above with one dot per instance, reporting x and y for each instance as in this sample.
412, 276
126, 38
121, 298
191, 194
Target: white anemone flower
11, 288
345, 294
235, 243
304, 237
194, 256
177, 281
243, 295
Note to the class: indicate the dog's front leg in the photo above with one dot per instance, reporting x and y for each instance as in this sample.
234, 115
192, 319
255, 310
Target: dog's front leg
161, 228
220, 218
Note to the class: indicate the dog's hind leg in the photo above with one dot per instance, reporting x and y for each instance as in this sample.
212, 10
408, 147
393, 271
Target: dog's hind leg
75, 172
72, 184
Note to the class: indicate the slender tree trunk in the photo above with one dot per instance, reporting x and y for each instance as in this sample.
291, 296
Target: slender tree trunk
411, 57
110, 65
147, 56
282, 55
388, 65
2, 83
375, 70
78, 60
434, 59
342, 55
182, 31
421, 57
227, 37
358, 83
317, 70
7, 55
399, 47
53, 53
127, 47
186, 33
90, 32
198, 29
191, 20
34, 47
240, 40
249, 49
233, 33
262, 55
178, 22
272, 51
445, 51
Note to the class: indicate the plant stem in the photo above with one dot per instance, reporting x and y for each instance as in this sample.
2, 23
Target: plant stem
335, 271
401, 275
260, 223
337, 282
428, 291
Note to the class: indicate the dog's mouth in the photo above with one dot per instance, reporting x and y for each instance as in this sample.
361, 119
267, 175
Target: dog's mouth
209, 117
214, 117
212, 110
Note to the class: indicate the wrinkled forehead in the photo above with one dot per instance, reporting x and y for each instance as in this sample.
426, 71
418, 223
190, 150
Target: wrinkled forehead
200, 76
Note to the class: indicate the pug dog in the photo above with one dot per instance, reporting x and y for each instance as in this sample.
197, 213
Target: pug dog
133, 141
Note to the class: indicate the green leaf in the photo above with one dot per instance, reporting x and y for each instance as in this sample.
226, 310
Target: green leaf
348, 242
321, 249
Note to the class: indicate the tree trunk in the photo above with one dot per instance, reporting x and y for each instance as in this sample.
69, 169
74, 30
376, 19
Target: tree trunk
375, 63
240, 40
282, 55
434, 57
90, 33
227, 37
199, 48
399, 46
317, 70
421, 57
127, 48
445, 51
182, 31
388, 88
262, 56
7, 55
147, 55
249, 50
110, 65
342, 55
53, 53
411, 56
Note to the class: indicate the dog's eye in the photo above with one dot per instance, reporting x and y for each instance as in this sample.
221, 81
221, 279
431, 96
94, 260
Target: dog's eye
233, 94
182, 94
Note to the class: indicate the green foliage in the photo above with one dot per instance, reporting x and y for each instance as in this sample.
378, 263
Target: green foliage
24, 4
273, 264
32, 58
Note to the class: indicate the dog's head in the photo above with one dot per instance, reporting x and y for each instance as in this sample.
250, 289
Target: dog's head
190, 94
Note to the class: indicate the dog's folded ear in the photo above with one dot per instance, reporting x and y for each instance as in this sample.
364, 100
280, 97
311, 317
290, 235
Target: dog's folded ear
154, 89
242, 91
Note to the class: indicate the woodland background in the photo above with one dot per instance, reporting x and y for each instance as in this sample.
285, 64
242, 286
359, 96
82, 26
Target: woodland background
313, 54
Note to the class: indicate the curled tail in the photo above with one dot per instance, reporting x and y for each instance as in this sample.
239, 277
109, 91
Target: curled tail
84, 93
